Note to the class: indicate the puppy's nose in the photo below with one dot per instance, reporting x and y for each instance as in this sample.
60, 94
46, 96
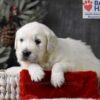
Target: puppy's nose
26, 53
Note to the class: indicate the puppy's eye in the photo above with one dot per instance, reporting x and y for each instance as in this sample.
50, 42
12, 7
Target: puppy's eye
21, 40
37, 41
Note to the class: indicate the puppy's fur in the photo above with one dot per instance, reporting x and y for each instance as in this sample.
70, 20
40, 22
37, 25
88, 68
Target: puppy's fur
52, 53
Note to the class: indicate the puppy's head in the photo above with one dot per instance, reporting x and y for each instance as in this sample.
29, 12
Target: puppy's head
34, 42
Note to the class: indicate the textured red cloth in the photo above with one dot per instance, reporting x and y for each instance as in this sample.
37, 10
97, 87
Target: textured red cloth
77, 85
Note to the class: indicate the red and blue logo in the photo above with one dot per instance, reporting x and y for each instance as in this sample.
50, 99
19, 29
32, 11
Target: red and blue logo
87, 4
91, 4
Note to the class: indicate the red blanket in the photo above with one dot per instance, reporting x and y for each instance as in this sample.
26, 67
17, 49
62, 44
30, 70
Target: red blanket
77, 85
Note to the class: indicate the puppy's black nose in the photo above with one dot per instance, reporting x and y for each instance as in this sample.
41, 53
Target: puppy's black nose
26, 53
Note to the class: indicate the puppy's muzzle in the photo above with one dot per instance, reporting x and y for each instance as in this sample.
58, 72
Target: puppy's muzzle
26, 53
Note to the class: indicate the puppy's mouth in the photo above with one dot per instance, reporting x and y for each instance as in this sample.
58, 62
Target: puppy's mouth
29, 59
25, 58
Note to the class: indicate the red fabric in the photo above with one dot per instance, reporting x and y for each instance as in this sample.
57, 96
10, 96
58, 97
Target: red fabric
77, 85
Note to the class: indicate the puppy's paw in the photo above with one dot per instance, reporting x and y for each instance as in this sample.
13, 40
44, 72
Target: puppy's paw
57, 79
37, 74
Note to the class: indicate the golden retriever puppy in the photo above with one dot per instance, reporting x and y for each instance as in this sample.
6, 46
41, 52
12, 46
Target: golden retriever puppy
39, 49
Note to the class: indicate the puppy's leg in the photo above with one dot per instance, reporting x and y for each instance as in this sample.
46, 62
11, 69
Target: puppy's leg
36, 72
57, 77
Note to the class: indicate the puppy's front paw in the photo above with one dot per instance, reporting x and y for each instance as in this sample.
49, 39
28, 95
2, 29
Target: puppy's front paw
57, 79
37, 74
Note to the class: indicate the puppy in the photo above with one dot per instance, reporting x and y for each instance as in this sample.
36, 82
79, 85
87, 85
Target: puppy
38, 49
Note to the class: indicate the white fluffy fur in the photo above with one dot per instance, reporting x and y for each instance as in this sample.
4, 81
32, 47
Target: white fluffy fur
53, 53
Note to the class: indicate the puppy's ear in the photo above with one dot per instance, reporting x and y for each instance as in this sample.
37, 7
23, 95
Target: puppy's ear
51, 40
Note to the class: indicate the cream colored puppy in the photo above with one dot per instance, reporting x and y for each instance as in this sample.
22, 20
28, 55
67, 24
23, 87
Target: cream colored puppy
39, 49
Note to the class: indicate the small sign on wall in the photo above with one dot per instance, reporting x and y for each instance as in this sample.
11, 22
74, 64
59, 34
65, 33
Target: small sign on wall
91, 9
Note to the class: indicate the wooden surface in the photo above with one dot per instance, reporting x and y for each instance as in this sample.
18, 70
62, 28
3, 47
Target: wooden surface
65, 19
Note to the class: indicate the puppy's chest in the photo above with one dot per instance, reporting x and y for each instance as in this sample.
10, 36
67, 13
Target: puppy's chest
49, 64
46, 66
